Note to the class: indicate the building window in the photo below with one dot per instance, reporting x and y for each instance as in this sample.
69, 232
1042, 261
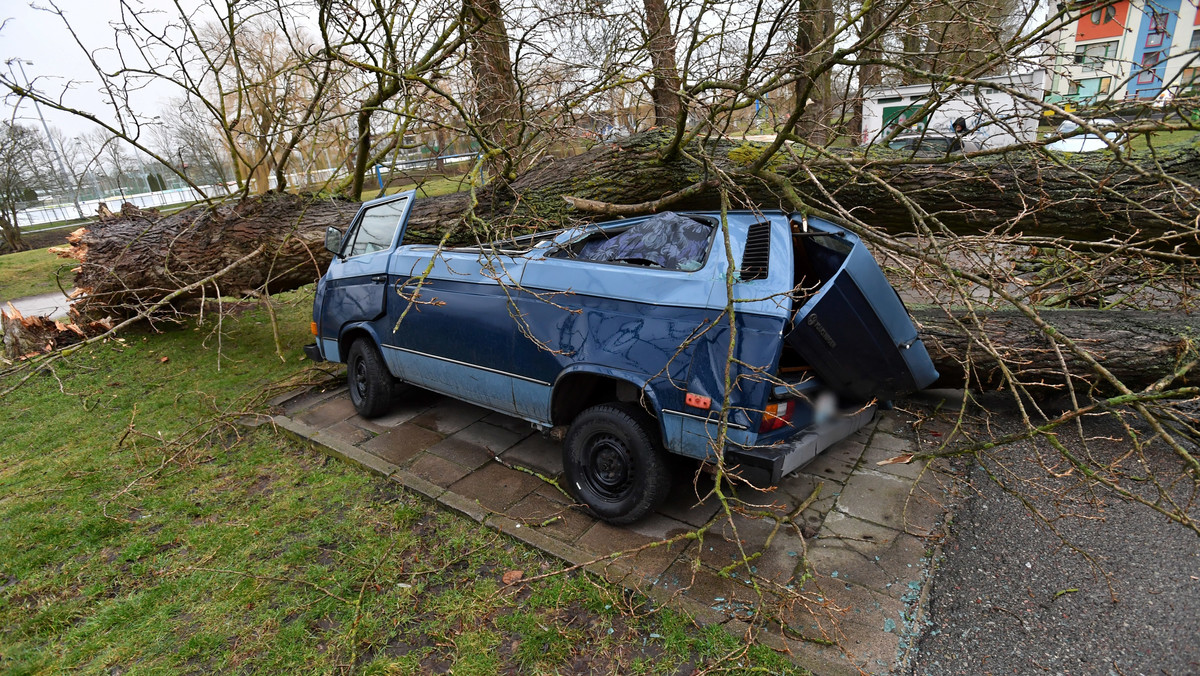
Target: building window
1158, 29
1104, 15
1089, 88
1195, 40
1149, 61
1189, 81
1095, 54
1158, 22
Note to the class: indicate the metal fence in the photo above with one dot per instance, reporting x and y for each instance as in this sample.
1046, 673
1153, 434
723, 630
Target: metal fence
66, 211
384, 173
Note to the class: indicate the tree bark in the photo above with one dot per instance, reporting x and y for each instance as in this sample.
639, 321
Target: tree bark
869, 74
497, 105
1137, 347
11, 231
139, 257
1020, 191
912, 39
664, 90
814, 88
24, 336
143, 255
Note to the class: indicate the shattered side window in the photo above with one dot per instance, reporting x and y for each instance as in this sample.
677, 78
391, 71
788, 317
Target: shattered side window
668, 240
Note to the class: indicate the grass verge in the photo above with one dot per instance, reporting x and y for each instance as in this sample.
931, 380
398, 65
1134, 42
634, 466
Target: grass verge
146, 532
30, 273
430, 188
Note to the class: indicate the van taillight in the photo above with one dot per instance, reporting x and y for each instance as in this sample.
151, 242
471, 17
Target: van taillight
777, 416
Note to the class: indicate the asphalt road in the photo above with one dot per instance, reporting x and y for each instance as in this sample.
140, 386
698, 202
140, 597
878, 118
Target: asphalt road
49, 304
1015, 595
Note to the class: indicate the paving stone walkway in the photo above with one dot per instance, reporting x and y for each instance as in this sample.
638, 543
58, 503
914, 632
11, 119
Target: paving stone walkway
840, 585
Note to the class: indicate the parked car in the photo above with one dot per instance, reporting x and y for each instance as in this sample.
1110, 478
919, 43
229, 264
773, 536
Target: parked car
1086, 142
619, 332
928, 143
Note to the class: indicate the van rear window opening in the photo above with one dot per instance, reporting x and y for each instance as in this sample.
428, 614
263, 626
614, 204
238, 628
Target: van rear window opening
668, 240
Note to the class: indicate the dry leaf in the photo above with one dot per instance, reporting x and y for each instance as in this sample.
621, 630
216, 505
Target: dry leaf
902, 459
164, 360
513, 576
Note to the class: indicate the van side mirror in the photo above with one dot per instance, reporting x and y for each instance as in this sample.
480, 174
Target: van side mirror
333, 240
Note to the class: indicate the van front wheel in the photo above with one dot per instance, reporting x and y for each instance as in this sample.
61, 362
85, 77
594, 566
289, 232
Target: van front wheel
372, 387
613, 463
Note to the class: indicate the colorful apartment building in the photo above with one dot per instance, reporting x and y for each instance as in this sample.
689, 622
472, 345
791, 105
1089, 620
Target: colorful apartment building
1128, 50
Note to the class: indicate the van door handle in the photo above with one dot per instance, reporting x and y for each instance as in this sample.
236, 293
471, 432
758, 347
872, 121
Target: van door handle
379, 279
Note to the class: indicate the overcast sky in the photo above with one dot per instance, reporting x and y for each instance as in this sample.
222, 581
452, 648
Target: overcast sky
39, 36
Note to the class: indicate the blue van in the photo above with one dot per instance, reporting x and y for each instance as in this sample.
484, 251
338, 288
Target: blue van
759, 341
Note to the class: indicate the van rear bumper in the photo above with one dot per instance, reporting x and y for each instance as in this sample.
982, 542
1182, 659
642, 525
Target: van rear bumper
767, 465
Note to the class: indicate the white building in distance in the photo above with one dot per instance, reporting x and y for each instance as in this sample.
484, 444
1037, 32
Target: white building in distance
998, 111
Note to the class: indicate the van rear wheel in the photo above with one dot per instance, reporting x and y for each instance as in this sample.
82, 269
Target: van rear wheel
614, 464
372, 387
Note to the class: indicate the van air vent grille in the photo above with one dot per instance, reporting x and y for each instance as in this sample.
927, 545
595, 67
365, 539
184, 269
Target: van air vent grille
757, 257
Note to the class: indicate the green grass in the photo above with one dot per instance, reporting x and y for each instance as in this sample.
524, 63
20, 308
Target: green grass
29, 273
1162, 140
430, 188
144, 532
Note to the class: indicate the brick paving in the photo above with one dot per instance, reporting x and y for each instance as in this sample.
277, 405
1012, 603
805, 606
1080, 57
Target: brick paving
841, 590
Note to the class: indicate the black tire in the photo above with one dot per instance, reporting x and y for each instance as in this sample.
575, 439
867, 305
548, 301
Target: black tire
372, 387
614, 464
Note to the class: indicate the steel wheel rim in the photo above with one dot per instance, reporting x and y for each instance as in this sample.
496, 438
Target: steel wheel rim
358, 381
608, 469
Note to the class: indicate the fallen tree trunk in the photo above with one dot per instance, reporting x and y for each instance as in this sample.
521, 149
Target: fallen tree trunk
1138, 347
1087, 197
132, 260
141, 257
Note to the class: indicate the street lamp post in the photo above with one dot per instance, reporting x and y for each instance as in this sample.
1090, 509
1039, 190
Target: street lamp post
62, 167
183, 167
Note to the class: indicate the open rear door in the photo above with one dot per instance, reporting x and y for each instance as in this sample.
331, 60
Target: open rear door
854, 331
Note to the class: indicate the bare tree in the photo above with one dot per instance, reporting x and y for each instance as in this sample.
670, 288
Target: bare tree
661, 43
397, 52
194, 140
18, 174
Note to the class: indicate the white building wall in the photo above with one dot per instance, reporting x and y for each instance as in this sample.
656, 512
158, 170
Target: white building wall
994, 117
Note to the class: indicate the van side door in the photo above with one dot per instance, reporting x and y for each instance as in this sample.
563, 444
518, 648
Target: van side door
452, 322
